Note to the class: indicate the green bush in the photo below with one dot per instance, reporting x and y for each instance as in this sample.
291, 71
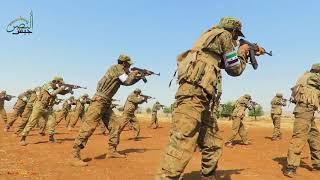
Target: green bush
148, 110
227, 109
256, 112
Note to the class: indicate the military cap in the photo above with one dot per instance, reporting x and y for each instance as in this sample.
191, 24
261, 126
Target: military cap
37, 88
247, 96
58, 79
71, 97
157, 102
316, 67
279, 94
137, 90
3, 92
85, 95
125, 58
231, 23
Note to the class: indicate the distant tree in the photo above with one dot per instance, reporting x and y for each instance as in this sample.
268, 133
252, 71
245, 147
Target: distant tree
120, 109
227, 109
139, 111
167, 110
148, 110
256, 112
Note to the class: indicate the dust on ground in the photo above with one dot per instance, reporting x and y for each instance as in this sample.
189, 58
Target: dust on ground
264, 159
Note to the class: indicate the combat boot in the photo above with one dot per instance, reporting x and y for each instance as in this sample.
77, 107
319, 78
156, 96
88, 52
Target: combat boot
53, 140
76, 159
212, 177
23, 141
113, 153
290, 171
316, 167
228, 144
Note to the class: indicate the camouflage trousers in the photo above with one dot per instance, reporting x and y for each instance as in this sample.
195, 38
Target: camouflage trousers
276, 119
3, 115
98, 111
130, 119
24, 120
39, 112
63, 115
304, 131
14, 116
77, 116
238, 128
191, 126
154, 120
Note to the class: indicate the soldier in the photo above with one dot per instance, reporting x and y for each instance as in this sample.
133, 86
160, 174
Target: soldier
237, 116
107, 87
4, 97
198, 69
28, 110
276, 110
131, 105
305, 94
102, 126
18, 108
41, 108
154, 119
79, 110
66, 107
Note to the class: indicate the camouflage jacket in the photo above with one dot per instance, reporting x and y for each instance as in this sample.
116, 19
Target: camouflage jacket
132, 103
276, 105
240, 107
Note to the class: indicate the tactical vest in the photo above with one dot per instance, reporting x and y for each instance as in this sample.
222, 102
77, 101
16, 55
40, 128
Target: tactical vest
276, 106
305, 92
45, 98
200, 67
110, 83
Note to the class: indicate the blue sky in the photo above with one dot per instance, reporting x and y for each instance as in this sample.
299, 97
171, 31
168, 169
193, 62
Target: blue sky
79, 40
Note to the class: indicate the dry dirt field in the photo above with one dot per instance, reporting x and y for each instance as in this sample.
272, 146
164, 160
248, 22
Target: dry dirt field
263, 159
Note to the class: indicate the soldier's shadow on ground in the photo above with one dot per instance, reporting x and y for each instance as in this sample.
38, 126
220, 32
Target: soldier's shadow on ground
283, 162
66, 139
127, 151
221, 174
139, 138
267, 137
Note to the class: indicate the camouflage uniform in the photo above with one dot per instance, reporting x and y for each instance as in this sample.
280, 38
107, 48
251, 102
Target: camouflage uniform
99, 109
66, 107
154, 118
80, 109
198, 72
276, 111
3, 97
237, 117
130, 107
43, 108
306, 96
18, 108
27, 111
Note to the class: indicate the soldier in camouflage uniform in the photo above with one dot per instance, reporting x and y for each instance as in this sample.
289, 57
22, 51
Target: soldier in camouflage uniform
198, 69
154, 116
103, 128
276, 111
41, 107
131, 105
306, 96
107, 87
18, 108
79, 110
3, 97
240, 107
27, 110
66, 107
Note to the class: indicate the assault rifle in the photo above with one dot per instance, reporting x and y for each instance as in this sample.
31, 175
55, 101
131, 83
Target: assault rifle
10, 96
115, 100
253, 47
114, 106
146, 97
72, 86
144, 72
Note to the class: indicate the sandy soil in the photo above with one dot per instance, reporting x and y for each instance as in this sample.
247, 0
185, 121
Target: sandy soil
263, 159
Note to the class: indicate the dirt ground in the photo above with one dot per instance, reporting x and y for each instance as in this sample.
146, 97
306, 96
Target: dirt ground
263, 159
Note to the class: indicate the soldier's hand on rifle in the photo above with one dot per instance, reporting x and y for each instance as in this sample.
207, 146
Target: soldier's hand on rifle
260, 51
244, 48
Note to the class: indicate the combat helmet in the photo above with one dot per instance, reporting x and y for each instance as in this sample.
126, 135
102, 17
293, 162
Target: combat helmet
58, 79
315, 68
138, 91
85, 95
231, 23
125, 58
279, 95
247, 96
